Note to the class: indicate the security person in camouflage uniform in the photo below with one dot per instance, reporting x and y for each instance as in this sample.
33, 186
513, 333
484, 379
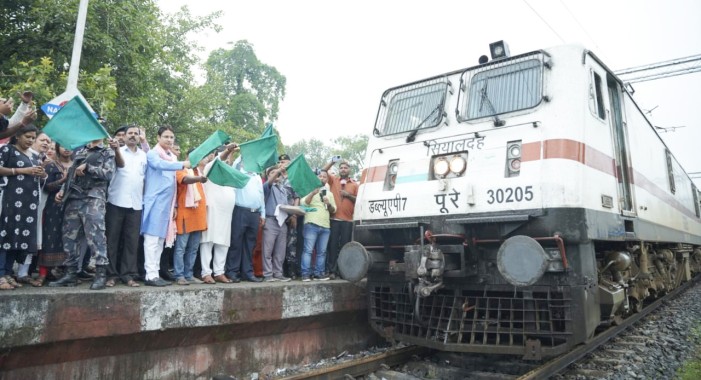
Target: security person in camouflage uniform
85, 194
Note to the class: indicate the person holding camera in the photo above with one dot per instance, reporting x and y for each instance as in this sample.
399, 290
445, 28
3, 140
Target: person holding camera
344, 189
317, 229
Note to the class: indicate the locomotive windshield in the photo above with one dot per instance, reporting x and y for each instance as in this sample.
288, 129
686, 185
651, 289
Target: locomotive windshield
503, 89
415, 108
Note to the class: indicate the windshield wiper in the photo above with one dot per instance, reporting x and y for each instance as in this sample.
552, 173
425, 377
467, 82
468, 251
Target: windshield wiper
412, 136
497, 122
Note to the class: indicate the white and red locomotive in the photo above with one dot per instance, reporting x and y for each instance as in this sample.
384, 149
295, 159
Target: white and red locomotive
515, 206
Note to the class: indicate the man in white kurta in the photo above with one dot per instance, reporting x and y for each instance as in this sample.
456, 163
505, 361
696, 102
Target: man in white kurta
215, 241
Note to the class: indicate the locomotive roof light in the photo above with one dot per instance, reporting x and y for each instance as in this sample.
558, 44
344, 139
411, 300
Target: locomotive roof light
499, 50
458, 165
441, 167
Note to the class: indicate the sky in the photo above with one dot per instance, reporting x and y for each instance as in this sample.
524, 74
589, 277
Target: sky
340, 56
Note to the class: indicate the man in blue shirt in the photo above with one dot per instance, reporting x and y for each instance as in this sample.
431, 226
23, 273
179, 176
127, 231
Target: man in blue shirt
248, 215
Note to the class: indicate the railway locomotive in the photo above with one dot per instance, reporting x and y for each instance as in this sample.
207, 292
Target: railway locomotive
516, 206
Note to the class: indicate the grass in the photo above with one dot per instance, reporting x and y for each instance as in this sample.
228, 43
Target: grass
692, 368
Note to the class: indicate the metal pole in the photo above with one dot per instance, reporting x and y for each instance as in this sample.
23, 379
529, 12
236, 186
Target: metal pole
77, 46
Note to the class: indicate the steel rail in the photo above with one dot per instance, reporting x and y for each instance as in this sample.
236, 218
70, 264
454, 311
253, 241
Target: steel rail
362, 366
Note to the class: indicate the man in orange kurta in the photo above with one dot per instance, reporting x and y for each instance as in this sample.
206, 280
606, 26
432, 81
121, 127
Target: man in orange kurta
191, 220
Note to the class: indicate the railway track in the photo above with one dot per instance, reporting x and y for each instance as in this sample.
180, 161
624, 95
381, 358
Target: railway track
415, 362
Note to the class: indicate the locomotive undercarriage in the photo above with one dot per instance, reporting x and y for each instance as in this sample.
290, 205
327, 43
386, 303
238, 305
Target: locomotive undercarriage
453, 291
633, 274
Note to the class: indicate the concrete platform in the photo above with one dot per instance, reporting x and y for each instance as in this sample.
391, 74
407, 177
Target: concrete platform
176, 332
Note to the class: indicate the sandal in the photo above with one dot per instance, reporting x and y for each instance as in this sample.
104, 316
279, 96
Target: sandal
24, 280
223, 279
208, 280
11, 280
4, 285
133, 284
110, 283
39, 282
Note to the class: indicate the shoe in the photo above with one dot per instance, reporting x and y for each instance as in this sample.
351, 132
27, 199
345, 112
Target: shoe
306, 279
282, 278
270, 279
332, 276
165, 275
83, 275
235, 279
100, 281
254, 279
182, 281
70, 278
322, 278
157, 282
195, 281
225, 280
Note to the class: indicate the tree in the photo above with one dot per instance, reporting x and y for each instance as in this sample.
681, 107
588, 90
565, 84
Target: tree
315, 152
352, 149
146, 53
250, 91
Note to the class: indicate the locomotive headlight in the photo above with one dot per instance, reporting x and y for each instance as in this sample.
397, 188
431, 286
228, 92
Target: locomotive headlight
458, 165
441, 167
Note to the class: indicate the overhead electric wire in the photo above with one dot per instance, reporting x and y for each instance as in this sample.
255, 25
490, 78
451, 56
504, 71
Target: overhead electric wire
545, 22
580, 24
665, 69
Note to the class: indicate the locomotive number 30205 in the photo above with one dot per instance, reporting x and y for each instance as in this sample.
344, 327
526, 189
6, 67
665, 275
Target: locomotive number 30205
510, 194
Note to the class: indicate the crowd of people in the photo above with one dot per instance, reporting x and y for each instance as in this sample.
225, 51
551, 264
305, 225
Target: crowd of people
119, 211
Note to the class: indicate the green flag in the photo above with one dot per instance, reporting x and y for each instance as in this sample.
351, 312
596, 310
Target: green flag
74, 125
224, 175
302, 177
259, 154
268, 130
214, 141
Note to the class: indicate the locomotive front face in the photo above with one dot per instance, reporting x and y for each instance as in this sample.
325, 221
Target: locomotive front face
514, 206
454, 223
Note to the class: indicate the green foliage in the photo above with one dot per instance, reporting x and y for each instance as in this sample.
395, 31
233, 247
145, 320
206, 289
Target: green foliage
352, 149
692, 368
250, 91
136, 67
315, 152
